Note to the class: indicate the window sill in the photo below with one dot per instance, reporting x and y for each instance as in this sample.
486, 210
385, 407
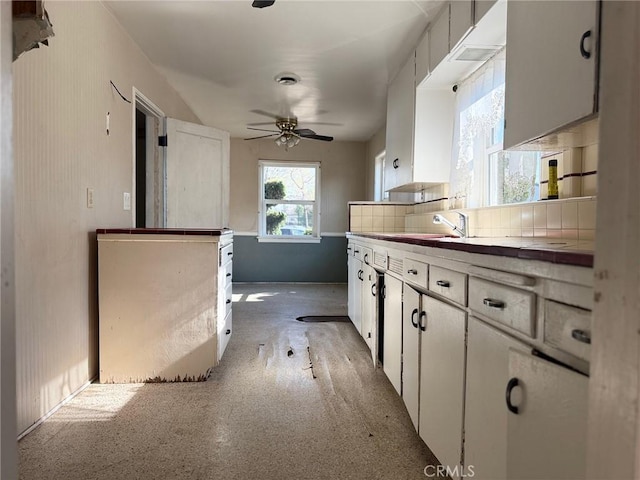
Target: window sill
283, 239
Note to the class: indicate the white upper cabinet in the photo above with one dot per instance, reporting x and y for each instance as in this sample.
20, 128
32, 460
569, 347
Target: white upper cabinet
422, 59
439, 38
551, 67
482, 7
400, 116
461, 21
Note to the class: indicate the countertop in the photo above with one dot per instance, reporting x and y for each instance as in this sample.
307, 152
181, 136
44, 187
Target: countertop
554, 250
214, 232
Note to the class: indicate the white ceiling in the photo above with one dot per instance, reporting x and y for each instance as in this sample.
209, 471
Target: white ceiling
222, 57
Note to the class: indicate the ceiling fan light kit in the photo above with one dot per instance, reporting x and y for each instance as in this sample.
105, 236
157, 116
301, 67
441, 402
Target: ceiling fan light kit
288, 135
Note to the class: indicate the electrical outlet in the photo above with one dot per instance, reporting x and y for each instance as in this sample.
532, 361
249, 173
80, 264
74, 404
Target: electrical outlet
90, 197
127, 201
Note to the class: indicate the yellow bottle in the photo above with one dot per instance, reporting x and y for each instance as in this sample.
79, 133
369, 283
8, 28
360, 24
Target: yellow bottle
553, 179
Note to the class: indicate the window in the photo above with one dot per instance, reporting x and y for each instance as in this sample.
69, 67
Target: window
379, 194
289, 201
482, 173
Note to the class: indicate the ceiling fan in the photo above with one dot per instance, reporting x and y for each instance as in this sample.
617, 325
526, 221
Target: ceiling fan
288, 135
262, 3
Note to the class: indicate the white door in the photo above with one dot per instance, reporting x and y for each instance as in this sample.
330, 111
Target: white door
392, 340
547, 437
442, 363
197, 169
411, 353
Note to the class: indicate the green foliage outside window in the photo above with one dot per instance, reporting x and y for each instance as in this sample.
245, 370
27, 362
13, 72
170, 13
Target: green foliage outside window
274, 190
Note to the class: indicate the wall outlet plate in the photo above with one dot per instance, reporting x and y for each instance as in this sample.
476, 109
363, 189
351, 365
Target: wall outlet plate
126, 201
90, 203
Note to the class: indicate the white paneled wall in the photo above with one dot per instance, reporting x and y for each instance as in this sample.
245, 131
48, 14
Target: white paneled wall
61, 98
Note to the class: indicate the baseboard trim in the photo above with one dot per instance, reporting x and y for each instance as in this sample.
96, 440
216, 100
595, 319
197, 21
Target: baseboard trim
55, 409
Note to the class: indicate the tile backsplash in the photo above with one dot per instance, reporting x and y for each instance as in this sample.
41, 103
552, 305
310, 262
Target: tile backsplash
572, 218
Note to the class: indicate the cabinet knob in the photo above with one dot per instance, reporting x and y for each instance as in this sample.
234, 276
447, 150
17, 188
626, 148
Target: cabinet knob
581, 336
491, 303
413, 316
513, 383
586, 54
423, 321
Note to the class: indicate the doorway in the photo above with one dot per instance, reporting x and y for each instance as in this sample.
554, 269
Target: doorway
148, 199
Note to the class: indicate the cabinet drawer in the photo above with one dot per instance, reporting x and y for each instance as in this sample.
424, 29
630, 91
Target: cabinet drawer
367, 255
224, 334
510, 306
415, 272
567, 328
448, 284
357, 251
226, 254
227, 273
228, 299
380, 259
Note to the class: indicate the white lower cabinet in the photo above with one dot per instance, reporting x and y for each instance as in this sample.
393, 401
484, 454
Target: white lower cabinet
369, 310
485, 424
355, 272
547, 424
392, 340
411, 352
442, 366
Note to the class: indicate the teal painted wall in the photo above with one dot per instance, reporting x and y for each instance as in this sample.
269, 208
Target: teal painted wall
324, 262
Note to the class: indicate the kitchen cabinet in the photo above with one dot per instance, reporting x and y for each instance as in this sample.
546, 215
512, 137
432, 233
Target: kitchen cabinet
355, 279
439, 38
411, 314
485, 423
551, 67
547, 425
369, 307
422, 59
481, 7
442, 371
392, 341
225, 299
399, 134
461, 21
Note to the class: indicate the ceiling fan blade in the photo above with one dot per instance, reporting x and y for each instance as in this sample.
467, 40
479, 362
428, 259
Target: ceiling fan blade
262, 129
262, 3
324, 138
267, 114
263, 136
304, 132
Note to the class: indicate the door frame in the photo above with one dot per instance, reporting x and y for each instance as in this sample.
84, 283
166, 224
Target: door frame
156, 126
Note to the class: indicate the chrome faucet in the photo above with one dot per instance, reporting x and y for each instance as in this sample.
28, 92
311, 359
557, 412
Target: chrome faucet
462, 230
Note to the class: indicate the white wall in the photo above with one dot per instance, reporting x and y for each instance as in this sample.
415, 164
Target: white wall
8, 468
342, 178
375, 145
61, 97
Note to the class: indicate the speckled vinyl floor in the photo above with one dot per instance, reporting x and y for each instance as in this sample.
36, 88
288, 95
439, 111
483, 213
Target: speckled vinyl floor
289, 401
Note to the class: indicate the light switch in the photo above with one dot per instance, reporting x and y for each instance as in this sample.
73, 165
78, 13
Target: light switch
89, 197
127, 201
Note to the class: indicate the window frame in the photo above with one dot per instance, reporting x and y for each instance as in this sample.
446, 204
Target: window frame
315, 237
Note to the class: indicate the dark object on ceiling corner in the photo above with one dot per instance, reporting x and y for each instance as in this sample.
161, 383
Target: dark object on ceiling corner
31, 26
262, 3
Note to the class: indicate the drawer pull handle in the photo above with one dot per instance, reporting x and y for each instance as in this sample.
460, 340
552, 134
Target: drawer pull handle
229, 253
384, 291
356, 251
423, 324
491, 303
412, 271
228, 274
443, 283
581, 336
360, 272
228, 332
373, 289
513, 383
413, 316
228, 301
586, 54
366, 258
395, 163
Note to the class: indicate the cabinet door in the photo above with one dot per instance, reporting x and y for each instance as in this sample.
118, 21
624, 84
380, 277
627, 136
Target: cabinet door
481, 7
547, 437
411, 352
460, 21
549, 83
400, 116
368, 305
442, 364
355, 292
392, 342
422, 59
485, 423
439, 39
